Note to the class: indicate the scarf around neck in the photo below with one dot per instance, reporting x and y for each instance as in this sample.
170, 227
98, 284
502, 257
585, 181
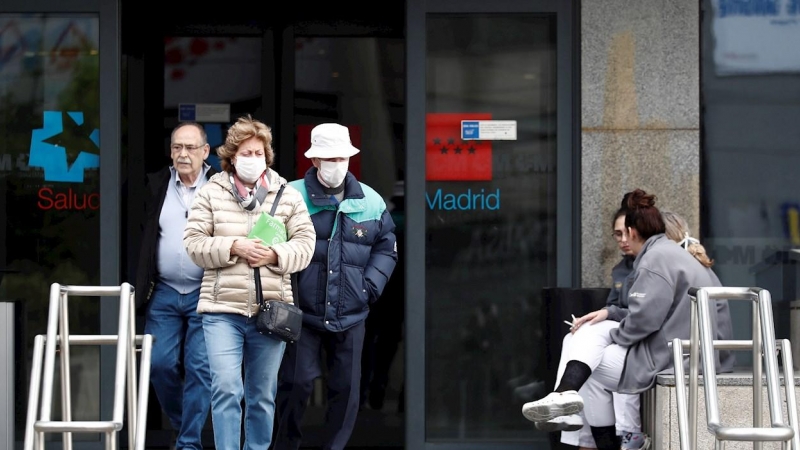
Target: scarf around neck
250, 199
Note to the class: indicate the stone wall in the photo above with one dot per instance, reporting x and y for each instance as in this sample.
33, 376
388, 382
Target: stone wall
640, 116
735, 405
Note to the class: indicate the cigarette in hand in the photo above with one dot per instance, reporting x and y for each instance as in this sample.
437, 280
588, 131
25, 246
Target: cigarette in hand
571, 324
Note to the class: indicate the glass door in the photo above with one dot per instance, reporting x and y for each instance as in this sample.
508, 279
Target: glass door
60, 116
490, 214
193, 68
294, 75
354, 75
210, 74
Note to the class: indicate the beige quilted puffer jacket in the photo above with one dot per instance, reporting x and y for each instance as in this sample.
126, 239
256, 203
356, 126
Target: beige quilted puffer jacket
217, 220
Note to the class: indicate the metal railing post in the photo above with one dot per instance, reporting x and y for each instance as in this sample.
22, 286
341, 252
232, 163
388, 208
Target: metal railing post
763, 342
694, 373
7, 375
680, 390
125, 377
757, 374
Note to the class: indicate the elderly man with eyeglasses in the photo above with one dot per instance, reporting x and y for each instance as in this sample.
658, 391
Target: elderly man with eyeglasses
168, 287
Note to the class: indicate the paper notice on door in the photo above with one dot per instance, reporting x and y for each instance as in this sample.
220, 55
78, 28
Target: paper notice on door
489, 130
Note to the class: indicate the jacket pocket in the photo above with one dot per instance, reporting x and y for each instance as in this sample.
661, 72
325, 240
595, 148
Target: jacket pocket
355, 298
310, 293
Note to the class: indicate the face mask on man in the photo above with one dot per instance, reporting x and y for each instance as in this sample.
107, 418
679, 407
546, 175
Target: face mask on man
332, 172
250, 168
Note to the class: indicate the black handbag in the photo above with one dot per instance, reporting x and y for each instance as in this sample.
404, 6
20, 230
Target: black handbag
276, 318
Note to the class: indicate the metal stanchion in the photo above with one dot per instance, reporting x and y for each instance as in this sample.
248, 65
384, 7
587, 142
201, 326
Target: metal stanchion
7, 374
764, 348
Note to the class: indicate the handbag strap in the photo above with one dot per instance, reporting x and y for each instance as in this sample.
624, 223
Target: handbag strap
256, 272
275, 202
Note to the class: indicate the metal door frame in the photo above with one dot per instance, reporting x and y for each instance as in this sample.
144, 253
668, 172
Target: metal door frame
567, 174
108, 12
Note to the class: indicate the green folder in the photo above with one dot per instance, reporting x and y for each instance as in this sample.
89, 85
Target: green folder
270, 230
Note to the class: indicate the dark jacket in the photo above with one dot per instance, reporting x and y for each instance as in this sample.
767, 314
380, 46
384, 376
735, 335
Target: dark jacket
354, 256
146, 269
617, 302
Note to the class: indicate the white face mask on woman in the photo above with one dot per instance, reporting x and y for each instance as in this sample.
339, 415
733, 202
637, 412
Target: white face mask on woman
333, 173
249, 168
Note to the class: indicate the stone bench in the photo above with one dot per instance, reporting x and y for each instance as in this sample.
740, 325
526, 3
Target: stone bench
660, 410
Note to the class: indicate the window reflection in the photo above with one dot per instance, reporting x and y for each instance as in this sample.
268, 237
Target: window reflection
49, 180
490, 221
751, 103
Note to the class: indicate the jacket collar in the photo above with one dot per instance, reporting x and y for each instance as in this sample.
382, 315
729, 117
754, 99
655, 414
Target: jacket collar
352, 192
274, 180
205, 172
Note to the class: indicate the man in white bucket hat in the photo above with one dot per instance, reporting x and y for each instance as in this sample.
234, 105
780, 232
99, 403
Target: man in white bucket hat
355, 255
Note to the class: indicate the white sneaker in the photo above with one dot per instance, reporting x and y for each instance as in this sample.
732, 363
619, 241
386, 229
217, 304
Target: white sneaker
573, 422
556, 404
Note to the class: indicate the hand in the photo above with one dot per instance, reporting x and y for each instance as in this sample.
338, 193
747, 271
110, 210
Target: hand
593, 317
270, 258
250, 249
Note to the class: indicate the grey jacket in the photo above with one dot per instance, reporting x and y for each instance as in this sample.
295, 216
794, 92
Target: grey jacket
659, 310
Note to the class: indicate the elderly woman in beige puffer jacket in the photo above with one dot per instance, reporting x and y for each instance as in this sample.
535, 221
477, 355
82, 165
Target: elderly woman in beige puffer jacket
223, 213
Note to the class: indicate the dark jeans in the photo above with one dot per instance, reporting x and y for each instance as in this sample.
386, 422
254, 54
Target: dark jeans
300, 366
185, 398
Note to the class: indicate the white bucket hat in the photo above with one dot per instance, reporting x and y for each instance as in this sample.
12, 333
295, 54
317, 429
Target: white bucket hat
330, 140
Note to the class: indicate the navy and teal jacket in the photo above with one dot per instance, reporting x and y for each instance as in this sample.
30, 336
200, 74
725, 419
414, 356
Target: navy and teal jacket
355, 254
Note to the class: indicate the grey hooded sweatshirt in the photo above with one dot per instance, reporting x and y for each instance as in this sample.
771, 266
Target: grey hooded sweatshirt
658, 310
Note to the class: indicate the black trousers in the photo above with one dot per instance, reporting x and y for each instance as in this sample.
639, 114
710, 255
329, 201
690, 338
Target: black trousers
300, 367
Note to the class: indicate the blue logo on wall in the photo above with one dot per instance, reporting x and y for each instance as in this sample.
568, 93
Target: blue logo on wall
49, 147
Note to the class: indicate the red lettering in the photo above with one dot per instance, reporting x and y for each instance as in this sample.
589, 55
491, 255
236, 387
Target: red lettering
94, 201
44, 195
69, 200
62, 200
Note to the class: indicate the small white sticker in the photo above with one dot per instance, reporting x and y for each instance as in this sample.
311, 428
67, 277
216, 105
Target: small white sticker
489, 130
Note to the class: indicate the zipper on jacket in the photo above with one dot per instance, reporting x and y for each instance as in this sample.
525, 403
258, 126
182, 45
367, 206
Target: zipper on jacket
216, 286
333, 236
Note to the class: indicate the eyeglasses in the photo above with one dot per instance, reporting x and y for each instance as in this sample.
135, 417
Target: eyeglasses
618, 235
177, 148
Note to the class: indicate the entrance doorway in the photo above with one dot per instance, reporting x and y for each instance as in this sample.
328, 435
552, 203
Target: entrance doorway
343, 68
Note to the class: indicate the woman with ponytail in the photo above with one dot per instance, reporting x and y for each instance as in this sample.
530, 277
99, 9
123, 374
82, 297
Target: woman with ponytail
635, 348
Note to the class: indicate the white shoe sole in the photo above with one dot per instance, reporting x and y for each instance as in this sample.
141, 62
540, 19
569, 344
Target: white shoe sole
647, 444
543, 413
551, 427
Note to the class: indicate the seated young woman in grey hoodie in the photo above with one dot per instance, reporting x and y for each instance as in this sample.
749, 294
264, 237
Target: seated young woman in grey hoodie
637, 349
